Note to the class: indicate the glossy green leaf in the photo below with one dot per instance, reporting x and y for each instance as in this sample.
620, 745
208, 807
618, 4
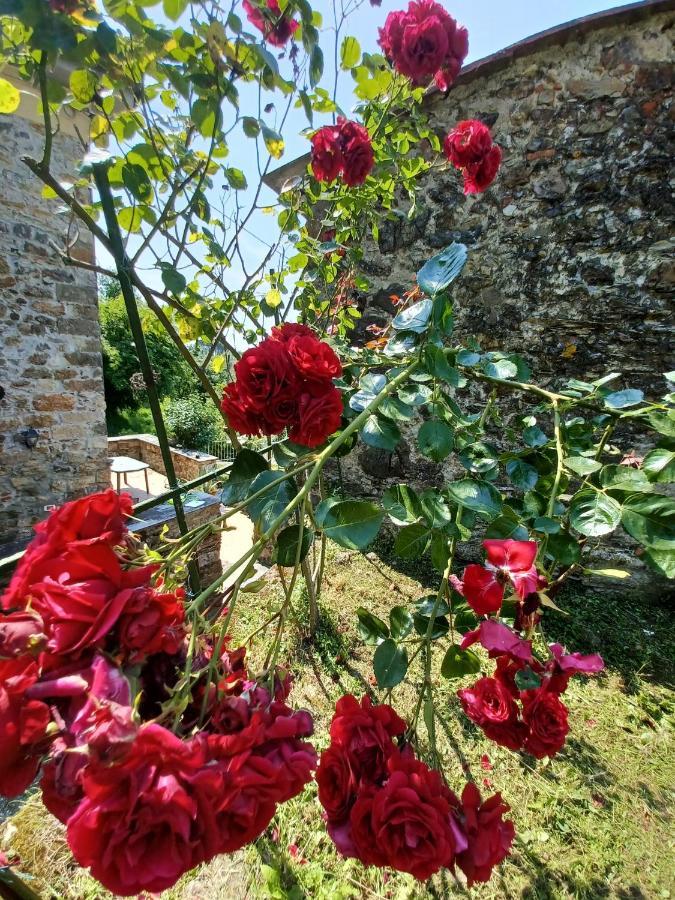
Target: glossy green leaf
271, 504
390, 663
624, 399
522, 474
10, 98
83, 85
400, 622
441, 270
415, 318
659, 465
380, 432
245, 468
174, 9
481, 497
402, 504
650, 519
582, 465
353, 523
371, 628
458, 662
435, 439
412, 541
594, 514
623, 478
287, 545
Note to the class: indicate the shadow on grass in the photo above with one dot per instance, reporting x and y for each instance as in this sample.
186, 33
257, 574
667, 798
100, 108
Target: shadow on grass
547, 884
635, 635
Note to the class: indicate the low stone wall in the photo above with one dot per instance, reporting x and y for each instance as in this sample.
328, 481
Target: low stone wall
152, 522
189, 464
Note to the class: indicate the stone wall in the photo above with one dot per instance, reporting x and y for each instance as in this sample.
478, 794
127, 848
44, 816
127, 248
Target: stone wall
570, 250
189, 464
50, 366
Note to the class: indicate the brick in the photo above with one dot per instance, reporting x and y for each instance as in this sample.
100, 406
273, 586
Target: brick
53, 402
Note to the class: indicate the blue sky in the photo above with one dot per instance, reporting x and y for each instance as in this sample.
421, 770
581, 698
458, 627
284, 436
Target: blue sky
492, 25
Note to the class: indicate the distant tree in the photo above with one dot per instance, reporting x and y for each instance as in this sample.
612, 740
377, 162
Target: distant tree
123, 387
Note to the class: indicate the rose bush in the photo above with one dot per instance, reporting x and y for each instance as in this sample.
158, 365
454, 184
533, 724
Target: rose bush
159, 743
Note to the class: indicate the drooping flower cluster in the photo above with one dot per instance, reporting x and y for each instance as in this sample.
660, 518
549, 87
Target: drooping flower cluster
276, 26
142, 804
424, 41
387, 808
470, 148
286, 382
520, 706
343, 149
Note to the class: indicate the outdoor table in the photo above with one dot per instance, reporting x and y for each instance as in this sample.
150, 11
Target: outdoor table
122, 465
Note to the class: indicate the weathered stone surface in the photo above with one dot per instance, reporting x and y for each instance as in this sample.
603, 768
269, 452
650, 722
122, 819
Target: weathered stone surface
50, 362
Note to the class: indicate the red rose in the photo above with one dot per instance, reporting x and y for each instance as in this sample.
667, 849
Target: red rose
79, 607
546, 717
152, 623
239, 415
60, 784
23, 726
489, 837
276, 26
289, 330
407, 823
21, 632
467, 143
490, 705
337, 785
424, 41
318, 417
365, 733
357, 152
96, 519
281, 412
265, 373
326, 154
479, 176
138, 826
482, 591
314, 359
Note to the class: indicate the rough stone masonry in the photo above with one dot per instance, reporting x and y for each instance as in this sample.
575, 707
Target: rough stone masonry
51, 377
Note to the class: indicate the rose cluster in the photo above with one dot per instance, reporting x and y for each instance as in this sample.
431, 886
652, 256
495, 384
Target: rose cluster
387, 808
424, 41
470, 148
343, 149
520, 706
276, 26
142, 804
286, 382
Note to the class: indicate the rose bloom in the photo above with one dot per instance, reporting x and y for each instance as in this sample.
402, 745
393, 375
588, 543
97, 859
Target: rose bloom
357, 152
152, 623
239, 415
425, 41
21, 632
83, 597
467, 143
337, 785
23, 726
276, 26
289, 330
490, 705
546, 718
138, 825
315, 360
408, 823
364, 732
489, 836
265, 373
96, 519
318, 417
479, 176
326, 154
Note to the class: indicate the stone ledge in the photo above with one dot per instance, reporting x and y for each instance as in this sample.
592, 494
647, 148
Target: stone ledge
189, 464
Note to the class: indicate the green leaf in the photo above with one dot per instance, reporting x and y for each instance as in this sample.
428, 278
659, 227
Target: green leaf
395, 409
594, 514
522, 474
458, 662
439, 629
439, 552
10, 98
441, 270
400, 622
380, 433
435, 439
402, 504
174, 9
83, 85
659, 464
415, 394
316, 66
481, 497
661, 561
287, 545
434, 509
137, 181
412, 541
582, 465
664, 423
534, 436
350, 53
623, 478
608, 573
437, 365
527, 680
353, 523
390, 664
236, 179
130, 219
266, 508
273, 141
371, 628
501, 368
467, 358
507, 526
564, 548
465, 619
415, 318
207, 116
251, 126
650, 519
245, 468
174, 280
623, 399
546, 525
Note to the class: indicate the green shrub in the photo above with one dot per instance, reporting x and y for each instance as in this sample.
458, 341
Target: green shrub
129, 421
193, 422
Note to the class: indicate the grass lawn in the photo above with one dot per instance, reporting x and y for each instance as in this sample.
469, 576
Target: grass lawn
594, 822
